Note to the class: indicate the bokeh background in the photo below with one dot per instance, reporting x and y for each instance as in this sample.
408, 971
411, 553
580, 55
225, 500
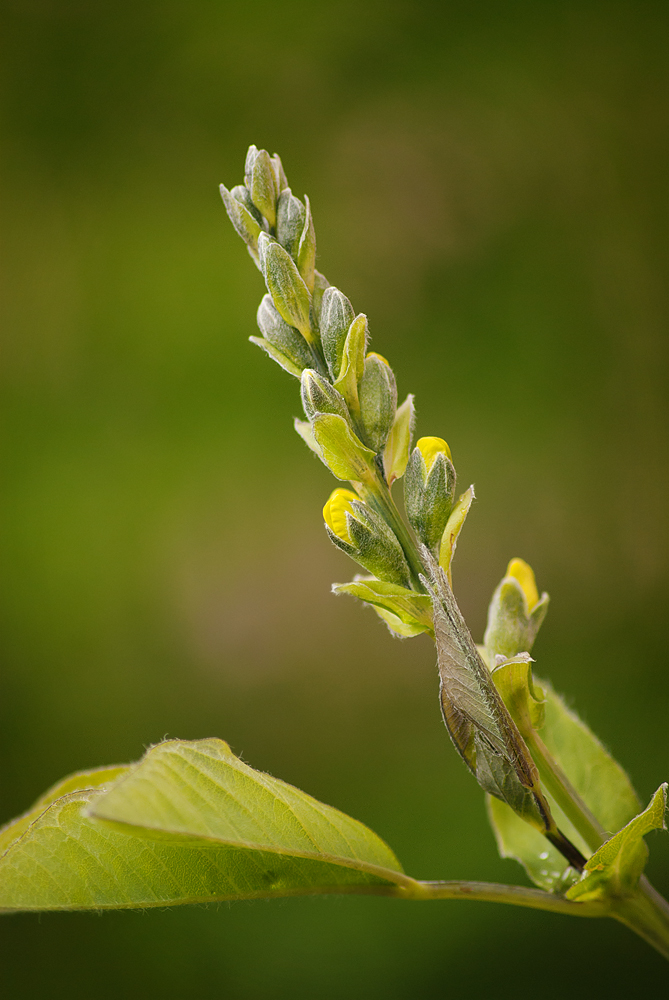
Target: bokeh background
489, 183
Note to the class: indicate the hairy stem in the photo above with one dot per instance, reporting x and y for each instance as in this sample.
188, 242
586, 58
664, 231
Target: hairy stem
558, 785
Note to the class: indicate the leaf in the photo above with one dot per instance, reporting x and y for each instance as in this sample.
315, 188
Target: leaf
476, 718
615, 868
412, 610
598, 779
74, 782
190, 822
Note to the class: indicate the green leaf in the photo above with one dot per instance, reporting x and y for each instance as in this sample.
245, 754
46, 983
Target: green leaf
412, 610
94, 778
598, 779
615, 868
190, 822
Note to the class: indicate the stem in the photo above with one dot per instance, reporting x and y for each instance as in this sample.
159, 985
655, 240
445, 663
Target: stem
495, 892
564, 793
646, 913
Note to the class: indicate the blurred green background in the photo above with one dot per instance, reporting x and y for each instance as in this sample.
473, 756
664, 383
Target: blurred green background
489, 184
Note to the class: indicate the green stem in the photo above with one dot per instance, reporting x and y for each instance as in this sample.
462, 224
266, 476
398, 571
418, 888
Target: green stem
514, 895
646, 913
558, 785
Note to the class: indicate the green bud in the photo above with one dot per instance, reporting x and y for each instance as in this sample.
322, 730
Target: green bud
248, 166
429, 486
279, 175
398, 446
341, 450
378, 401
318, 396
353, 363
241, 194
321, 285
363, 534
263, 185
515, 613
243, 221
336, 316
283, 337
290, 217
285, 285
306, 254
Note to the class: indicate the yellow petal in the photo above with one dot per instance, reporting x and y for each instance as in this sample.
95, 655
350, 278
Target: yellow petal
335, 511
430, 447
524, 574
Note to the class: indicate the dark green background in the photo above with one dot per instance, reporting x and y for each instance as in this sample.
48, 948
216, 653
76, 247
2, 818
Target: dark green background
489, 184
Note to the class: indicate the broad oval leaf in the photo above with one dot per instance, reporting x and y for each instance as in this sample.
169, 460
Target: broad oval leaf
190, 822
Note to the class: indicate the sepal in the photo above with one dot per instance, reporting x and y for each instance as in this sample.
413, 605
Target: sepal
283, 338
411, 610
261, 182
429, 488
285, 285
336, 316
306, 251
341, 450
363, 534
353, 363
449, 539
290, 217
377, 393
244, 223
319, 396
398, 445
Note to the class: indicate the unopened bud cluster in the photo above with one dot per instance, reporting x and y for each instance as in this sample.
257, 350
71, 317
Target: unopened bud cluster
349, 396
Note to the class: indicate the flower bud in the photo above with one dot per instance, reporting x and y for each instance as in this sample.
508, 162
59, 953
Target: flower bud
244, 222
364, 535
377, 393
515, 613
306, 253
278, 171
321, 285
290, 218
282, 337
242, 194
285, 285
261, 183
336, 316
429, 486
318, 396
